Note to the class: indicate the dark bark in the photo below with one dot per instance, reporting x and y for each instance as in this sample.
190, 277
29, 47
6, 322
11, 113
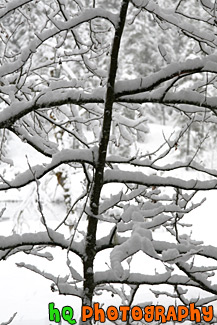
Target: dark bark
90, 244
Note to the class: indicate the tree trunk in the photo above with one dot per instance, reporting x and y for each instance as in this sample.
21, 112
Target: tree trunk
90, 243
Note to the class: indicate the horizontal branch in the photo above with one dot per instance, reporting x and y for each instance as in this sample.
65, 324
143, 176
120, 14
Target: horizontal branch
38, 171
183, 97
139, 85
139, 278
48, 98
41, 238
111, 176
146, 279
135, 91
118, 176
167, 167
54, 98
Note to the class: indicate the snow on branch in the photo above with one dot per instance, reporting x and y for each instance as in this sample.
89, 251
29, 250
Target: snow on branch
198, 277
134, 244
62, 86
57, 98
167, 167
64, 288
48, 98
183, 97
124, 92
41, 238
176, 252
52, 98
38, 171
176, 19
11, 6
138, 85
118, 176
171, 253
120, 197
60, 26
183, 247
41, 144
139, 278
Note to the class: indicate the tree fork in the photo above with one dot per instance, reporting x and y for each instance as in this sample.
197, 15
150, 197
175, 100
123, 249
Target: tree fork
90, 244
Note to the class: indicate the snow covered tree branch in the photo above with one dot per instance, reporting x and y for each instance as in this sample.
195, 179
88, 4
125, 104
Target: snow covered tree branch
108, 127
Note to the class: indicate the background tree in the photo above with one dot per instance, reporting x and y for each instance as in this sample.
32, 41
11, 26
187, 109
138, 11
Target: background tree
81, 84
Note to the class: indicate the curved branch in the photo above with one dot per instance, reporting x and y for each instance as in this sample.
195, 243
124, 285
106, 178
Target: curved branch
12, 6
60, 26
62, 157
173, 70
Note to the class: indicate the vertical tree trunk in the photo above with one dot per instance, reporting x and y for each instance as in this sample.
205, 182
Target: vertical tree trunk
90, 242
